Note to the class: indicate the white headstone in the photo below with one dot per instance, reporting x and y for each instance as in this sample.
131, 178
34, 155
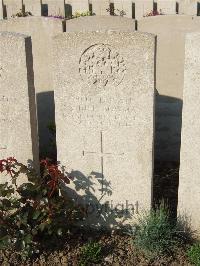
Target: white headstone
104, 97
189, 177
18, 131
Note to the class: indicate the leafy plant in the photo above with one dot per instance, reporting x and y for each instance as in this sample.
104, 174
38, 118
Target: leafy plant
91, 253
193, 254
22, 13
82, 14
156, 235
35, 210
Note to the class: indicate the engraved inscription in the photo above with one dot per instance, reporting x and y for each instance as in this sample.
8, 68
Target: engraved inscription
101, 113
100, 65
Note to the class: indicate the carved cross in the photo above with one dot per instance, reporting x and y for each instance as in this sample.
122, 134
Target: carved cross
102, 155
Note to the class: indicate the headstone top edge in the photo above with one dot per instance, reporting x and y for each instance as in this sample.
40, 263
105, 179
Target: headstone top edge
8, 34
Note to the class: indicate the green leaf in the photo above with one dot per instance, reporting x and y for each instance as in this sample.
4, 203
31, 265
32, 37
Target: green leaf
36, 214
5, 242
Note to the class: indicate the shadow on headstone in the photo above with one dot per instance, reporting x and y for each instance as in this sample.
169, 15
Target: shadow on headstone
45, 10
198, 8
99, 214
168, 123
68, 11
46, 124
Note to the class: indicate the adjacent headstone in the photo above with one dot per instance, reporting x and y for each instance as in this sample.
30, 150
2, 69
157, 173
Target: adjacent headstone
166, 7
33, 6
142, 8
123, 8
55, 7
189, 180
78, 6
100, 23
104, 132
41, 30
13, 7
1, 9
100, 8
188, 7
170, 31
18, 131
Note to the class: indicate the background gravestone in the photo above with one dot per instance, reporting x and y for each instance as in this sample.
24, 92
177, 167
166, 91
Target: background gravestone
18, 131
55, 7
104, 93
41, 30
13, 7
33, 6
100, 23
170, 31
189, 179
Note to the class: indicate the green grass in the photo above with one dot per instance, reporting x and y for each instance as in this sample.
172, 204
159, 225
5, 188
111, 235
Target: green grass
91, 253
193, 254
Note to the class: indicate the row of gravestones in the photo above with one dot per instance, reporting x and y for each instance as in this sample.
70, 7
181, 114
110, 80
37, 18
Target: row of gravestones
170, 31
104, 102
128, 8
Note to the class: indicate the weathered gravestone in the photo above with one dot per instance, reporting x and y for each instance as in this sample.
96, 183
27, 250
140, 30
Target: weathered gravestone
100, 7
41, 30
123, 8
1, 9
189, 177
34, 7
78, 6
166, 7
13, 7
170, 31
18, 131
142, 8
100, 23
104, 96
55, 7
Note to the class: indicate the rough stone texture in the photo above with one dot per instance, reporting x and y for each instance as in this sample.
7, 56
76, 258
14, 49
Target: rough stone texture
166, 7
33, 6
189, 180
125, 6
55, 7
188, 7
12, 7
1, 9
170, 31
79, 6
100, 23
104, 133
41, 30
18, 131
100, 7
142, 8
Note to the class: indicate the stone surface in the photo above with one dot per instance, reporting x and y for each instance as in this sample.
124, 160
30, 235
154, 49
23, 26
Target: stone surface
18, 131
188, 7
33, 6
100, 8
189, 179
78, 6
100, 23
55, 7
142, 8
12, 7
1, 9
170, 31
41, 30
125, 7
166, 7
104, 133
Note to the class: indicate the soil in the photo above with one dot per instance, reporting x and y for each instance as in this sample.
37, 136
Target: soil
117, 248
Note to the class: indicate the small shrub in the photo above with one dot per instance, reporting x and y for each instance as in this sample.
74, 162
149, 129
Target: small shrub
82, 14
193, 254
91, 253
156, 235
22, 13
38, 212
